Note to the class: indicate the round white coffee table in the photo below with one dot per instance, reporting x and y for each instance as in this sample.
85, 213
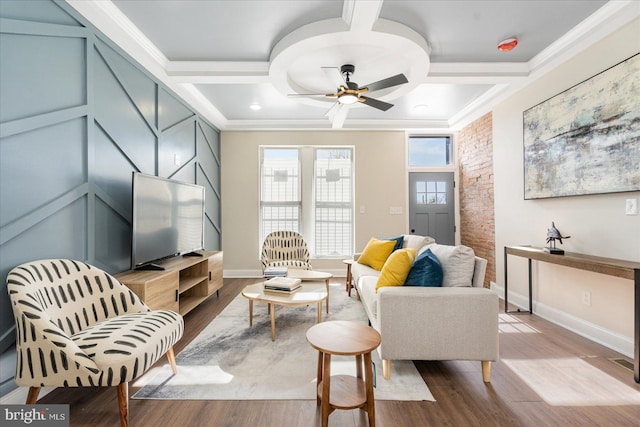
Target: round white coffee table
311, 276
309, 294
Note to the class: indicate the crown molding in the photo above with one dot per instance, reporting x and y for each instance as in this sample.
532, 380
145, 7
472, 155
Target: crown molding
605, 21
222, 72
507, 78
108, 19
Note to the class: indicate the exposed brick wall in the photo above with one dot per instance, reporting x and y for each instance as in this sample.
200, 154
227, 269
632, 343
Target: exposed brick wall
477, 221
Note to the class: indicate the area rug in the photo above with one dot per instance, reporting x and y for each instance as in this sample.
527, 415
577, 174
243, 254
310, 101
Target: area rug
229, 360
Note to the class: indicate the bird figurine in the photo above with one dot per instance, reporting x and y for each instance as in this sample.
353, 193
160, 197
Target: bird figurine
553, 234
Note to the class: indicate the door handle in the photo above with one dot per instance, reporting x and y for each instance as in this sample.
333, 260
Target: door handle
413, 230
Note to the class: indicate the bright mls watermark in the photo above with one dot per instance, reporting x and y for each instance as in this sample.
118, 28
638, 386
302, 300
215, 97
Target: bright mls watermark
35, 415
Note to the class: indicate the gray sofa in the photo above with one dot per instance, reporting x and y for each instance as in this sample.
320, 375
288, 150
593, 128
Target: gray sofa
458, 321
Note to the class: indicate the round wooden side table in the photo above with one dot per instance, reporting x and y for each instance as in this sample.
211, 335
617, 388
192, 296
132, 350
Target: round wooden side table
344, 338
349, 279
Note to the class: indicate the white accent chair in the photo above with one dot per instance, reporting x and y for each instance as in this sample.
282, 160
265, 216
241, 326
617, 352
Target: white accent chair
78, 326
285, 249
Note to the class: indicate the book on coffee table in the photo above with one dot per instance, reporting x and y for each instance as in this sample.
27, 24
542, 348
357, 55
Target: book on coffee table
282, 284
275, 271
281, 291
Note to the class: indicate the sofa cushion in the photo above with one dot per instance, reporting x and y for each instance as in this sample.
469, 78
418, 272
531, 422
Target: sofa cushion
395, 269
398, 240
376, 253
457, 264
360, 270
416, 242
367, 293
426, 271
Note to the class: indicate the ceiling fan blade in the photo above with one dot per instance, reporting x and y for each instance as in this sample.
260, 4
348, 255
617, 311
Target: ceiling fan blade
339, 116
380, 105
307, 94
333, 110
333, 75
396, 80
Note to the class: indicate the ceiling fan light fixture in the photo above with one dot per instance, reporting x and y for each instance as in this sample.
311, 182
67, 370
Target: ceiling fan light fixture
508, 45
348, 98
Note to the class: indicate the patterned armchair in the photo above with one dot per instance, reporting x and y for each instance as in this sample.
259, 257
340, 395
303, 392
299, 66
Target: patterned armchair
285, 249
78, 326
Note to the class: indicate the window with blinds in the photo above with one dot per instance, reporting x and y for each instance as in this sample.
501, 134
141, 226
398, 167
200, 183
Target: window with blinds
309, 190
280, 195
333, 185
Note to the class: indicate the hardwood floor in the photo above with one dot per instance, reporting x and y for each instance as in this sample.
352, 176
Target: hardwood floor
547, 376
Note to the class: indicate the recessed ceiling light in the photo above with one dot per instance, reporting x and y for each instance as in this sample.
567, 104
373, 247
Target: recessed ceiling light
422, 108
255, 107
508, 44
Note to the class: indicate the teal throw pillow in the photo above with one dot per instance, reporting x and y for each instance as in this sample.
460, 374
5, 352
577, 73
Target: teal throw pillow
426, 271
399, 241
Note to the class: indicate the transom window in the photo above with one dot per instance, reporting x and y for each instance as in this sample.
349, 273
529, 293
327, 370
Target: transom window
429, 151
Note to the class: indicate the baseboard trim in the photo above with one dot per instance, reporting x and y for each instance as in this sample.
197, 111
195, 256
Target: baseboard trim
613, 340
251, 274
19, 395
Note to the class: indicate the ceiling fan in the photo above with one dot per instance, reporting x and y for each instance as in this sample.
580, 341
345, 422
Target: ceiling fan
350, 93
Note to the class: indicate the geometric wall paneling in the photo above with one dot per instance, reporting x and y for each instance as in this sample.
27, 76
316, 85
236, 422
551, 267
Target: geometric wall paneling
38, 11
7, 360
62, 234
170, 110
78, 116
186, 173
212, 228
176, 146
140, 88
121, 120
51, 79
211, 198
207, 159
213, 137
48, 161
112, 170
112, 238
212, 237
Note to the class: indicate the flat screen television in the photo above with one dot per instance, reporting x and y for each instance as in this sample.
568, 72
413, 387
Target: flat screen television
168, 219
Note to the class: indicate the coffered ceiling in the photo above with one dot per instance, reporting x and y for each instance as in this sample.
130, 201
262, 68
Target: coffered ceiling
224, 56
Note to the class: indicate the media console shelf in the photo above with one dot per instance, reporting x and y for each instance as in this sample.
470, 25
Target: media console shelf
612, 267
184, 283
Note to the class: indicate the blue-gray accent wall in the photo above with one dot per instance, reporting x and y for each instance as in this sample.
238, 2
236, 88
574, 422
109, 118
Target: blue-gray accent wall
77, 117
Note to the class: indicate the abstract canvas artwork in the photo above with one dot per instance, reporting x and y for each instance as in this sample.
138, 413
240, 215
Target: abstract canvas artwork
586, 140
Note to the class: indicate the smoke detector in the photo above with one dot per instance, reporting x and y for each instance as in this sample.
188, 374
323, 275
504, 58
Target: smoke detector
507, 44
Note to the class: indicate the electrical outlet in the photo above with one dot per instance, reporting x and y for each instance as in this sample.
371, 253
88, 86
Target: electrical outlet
586, 298
361, 209
631, 207
395, 210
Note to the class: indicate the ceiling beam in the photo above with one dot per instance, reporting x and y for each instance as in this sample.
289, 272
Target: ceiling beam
476, 72
218, 72
361, 15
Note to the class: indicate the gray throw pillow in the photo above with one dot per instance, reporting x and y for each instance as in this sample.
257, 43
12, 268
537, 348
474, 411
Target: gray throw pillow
457, 263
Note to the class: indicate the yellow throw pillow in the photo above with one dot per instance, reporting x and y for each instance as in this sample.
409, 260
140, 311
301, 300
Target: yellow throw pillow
376, 253
396, 268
